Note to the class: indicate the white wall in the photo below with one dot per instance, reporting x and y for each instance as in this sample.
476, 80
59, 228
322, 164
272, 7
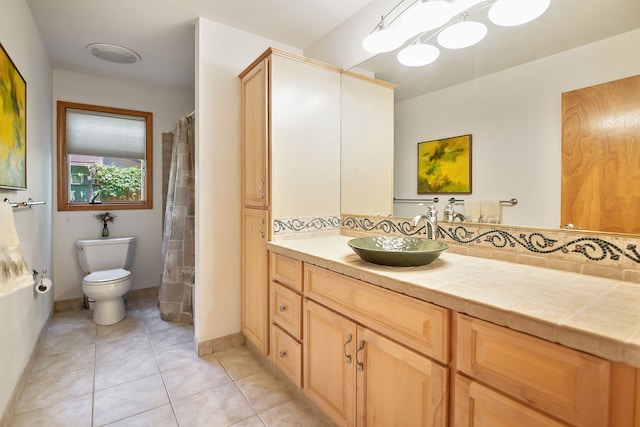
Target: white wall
515, 119
222, 53
22, 314
167, 106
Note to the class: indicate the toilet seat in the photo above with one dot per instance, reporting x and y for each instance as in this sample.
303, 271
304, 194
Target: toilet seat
98, 278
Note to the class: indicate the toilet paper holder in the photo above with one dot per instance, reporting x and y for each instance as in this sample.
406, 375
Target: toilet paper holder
39, 283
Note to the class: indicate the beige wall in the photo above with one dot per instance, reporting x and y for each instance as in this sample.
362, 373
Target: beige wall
167, 106
222, 53
22, 314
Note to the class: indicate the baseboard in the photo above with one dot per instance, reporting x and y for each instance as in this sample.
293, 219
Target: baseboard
218, 344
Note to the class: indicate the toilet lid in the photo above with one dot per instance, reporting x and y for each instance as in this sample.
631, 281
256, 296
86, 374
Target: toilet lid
107, 275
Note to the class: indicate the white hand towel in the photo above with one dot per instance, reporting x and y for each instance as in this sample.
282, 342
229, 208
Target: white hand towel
472, 210
491, 212
14, 273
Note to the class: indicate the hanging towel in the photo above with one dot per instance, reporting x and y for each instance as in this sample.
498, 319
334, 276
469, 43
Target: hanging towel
491, 212
14, 273
472, 210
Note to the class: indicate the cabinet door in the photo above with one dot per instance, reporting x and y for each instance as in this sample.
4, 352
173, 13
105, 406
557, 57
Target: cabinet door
478, 406
396, 386
556, 380
255, 277
329, 362
255, 99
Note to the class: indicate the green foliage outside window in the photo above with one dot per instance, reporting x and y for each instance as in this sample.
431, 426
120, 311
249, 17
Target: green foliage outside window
116, 182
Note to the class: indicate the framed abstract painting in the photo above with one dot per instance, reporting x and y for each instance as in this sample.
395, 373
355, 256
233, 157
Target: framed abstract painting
444, 166
13, 125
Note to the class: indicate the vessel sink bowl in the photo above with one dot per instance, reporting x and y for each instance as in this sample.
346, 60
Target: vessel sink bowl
397, 250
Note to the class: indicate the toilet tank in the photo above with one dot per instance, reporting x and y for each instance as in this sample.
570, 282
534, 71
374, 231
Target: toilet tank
105, 254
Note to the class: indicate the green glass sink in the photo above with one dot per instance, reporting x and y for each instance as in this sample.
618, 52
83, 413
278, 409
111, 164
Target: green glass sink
397, 250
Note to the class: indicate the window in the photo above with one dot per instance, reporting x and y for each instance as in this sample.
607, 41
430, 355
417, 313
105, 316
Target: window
104, 158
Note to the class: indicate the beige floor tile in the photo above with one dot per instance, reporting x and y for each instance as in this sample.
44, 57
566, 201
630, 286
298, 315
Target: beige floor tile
112, 372
158, 417
254, 421
168, 337
142, 308
264, 391
240, 362
44, 391
155, 323
126, 328
219, 406
74, 412
125, 400
61, 340
123, 347
194, 378
292, 413
176, 356
53, 364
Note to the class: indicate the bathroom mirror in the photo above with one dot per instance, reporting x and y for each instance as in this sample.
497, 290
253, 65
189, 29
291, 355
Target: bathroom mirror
506, 91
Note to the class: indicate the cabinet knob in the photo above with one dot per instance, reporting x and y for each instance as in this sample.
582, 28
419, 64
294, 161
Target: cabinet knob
282, 354
360, 364
282, 309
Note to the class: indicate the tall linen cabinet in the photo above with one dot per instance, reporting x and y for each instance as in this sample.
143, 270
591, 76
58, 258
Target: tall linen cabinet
290, 165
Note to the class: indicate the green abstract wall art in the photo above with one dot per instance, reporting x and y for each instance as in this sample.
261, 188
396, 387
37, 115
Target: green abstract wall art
444, 166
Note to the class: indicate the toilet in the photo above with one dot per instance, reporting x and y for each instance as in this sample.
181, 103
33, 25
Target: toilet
105, 261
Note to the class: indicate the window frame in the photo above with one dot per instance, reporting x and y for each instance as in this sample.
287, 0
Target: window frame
63, 168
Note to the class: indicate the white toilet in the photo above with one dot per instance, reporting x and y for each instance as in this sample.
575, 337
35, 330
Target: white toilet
105, 261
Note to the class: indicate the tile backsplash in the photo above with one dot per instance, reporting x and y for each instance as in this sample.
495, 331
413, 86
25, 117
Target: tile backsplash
597, 254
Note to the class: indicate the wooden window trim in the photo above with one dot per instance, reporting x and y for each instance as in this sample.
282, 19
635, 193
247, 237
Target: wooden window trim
63, 178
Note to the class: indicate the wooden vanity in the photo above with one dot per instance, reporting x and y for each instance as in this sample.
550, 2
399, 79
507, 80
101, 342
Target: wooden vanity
372, 345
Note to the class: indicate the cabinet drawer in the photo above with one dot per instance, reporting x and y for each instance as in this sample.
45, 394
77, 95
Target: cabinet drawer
287, 271
286, 354
479, 406
565, 383
419, 325
286, 309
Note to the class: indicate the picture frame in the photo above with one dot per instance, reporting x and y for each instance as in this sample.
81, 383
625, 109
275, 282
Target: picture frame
444, 166
13, 125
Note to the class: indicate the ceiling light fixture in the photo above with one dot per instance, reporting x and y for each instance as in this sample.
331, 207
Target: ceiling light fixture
423, 19
113, 53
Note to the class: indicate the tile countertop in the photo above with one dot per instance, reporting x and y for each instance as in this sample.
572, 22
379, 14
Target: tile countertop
587, 313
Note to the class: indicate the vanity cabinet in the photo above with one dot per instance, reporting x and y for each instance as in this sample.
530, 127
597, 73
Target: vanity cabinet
286, 316
290, 163
355, 366
255, 276
510, 378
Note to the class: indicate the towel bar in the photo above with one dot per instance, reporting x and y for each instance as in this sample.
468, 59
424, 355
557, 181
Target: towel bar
26, 204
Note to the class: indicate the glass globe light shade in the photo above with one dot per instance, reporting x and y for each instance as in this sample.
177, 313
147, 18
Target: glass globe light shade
461, 35
383, 40
426, 16
418, 55
509, 13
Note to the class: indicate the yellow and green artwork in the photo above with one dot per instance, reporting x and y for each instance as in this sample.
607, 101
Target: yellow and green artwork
444, 165
13, 125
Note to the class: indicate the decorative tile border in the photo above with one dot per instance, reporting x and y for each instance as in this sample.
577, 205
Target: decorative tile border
305, 224
591, 253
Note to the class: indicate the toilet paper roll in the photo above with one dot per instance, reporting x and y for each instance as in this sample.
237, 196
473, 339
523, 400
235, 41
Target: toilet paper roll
44, 286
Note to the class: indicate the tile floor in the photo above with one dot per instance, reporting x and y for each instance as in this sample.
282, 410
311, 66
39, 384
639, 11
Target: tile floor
143, 371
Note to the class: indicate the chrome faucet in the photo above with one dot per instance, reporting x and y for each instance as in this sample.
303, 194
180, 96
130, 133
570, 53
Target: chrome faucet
451, 215
430, 222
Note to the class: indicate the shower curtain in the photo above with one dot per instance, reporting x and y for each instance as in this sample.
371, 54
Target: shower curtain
175, 298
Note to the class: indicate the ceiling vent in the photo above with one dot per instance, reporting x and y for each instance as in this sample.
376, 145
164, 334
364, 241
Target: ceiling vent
113, 53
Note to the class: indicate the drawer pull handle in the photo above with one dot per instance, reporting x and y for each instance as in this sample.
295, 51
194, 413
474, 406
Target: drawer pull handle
282, 309
360, 365
344, 348
282, 354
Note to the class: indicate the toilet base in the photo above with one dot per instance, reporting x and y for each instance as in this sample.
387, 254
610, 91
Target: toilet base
108, 312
